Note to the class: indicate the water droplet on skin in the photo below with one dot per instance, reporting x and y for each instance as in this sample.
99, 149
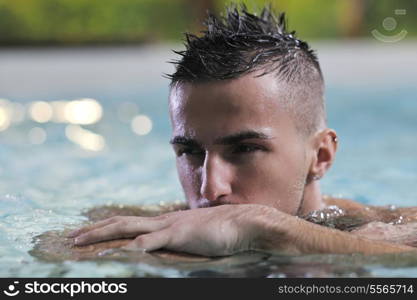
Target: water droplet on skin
329, 216
399, 221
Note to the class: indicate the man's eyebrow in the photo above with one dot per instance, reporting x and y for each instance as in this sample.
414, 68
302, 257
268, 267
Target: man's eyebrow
225, 140
182, 140
240, 136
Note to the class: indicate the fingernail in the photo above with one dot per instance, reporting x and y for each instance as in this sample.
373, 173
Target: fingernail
77, 241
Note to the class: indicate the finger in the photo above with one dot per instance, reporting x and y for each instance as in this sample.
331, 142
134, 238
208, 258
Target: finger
151, 241
168, 217
96, 225
122, 229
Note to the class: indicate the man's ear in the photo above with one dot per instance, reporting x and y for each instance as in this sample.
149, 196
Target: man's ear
324, 146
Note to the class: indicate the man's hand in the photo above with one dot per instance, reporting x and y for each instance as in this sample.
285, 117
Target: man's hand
214, 231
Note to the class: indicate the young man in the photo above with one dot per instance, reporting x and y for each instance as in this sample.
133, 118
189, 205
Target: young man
249, 131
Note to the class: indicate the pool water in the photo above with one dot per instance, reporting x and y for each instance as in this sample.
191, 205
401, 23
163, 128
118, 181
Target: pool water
47, 180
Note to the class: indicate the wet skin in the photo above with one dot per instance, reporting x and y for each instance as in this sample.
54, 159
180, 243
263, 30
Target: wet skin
367, 221
247, 173
54, 247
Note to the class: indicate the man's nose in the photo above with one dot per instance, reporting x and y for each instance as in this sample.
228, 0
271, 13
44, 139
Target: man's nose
216, 179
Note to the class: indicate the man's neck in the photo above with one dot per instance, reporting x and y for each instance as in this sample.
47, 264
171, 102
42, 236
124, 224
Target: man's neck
312, 198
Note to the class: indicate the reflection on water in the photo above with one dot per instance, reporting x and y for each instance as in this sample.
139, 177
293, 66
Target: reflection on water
40, 111
141, 125
77, 112
84, 112
84, 138
5, 114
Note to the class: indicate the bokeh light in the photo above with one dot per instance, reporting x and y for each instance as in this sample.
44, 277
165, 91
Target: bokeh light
86, 139
4, 114
4, 118
83, 111
141, 125
40, 111
58, 108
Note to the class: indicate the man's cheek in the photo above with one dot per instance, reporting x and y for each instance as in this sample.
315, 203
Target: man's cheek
190, 182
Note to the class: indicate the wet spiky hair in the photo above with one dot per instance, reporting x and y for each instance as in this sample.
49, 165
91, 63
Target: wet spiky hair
239, 43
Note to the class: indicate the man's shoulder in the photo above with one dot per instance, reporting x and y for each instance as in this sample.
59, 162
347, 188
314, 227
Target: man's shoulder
389, 214
343, 203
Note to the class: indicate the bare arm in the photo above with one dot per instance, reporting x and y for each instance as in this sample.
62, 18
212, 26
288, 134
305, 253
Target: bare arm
304, 237
227, 229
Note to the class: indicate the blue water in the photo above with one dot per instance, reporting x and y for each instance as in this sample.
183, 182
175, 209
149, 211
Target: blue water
45, 187
376, 162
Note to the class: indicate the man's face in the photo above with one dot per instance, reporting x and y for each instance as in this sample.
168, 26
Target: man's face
236, 144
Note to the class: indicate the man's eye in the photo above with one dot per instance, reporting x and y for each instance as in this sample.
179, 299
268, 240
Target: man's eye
246, 148
189, 151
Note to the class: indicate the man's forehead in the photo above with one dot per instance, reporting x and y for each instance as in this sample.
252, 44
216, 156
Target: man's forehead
213, 110
247, 87
223, 99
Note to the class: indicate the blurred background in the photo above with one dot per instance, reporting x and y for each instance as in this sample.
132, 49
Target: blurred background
84, 121
77, 22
